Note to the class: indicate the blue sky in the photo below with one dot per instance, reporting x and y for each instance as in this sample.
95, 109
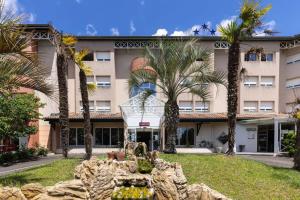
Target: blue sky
145, 17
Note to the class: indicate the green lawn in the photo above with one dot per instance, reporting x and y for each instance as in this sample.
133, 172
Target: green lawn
235, 177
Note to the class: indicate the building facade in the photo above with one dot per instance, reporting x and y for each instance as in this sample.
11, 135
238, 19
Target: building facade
267, 94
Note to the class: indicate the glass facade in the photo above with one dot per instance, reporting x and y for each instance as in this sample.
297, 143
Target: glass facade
143, 87
185, 136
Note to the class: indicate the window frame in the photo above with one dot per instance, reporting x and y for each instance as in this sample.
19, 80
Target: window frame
185, 108
103, 84
102, 60
110, 137
105, 110
250, 109
186, 137
76, 136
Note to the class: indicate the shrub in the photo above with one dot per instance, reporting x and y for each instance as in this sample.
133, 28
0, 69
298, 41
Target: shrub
144, 166
41, 151
289, 143
132, 193
6, 157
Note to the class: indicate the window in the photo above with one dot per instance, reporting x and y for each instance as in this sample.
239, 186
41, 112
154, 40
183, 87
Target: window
186, 106
201, 106
76, 137
266, 57
89, 79
293, 83
91, 106
109, 136
251, 81
143, 87
185, 136
266, 106
293, 59
89, 57
103, 106
267, 81
103, 81
251, 57
103, 56
250, 106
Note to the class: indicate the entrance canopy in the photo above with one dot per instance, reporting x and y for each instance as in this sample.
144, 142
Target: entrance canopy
136, 115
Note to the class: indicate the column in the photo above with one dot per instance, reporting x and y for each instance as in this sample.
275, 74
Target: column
276, 131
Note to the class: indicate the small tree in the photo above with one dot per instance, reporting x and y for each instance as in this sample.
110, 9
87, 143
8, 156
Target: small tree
296, 115
17, 114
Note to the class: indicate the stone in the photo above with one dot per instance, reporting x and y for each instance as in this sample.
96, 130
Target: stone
32, 189
11, 193
132, 166
203, 192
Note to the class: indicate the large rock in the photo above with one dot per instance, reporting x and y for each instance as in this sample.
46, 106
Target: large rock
32, 189
12, 193
169, 181
203, 192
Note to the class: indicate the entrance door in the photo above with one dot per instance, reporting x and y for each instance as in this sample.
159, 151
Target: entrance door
265, 138
144, 136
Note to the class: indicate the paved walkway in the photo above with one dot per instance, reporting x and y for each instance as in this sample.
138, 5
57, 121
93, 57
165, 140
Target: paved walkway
27, 165
277, 161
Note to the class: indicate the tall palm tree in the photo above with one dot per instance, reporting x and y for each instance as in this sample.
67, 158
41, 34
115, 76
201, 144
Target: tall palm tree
177, 67
18, 64
296, 115
249, 20
84, 88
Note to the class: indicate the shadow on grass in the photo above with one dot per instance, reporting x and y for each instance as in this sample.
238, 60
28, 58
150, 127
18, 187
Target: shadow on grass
18, 180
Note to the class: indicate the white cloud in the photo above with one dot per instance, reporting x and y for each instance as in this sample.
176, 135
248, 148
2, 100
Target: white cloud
13, 7
115, 31
90, 30
132, 27
160, 32
142, 2
269, 26
78, 1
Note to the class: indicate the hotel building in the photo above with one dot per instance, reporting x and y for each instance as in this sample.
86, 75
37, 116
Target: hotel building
266, 97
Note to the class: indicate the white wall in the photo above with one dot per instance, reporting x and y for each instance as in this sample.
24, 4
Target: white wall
246, 137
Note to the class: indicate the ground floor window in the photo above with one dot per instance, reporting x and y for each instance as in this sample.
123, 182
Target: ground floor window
109, 136
76, 137
185, 136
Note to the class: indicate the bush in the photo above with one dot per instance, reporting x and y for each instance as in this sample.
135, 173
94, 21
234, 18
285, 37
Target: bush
41, 151
144, 166
7, 157
289, 143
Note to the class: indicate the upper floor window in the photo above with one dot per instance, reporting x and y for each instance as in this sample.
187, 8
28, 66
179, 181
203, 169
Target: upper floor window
250, 106
89, 79
145, 86
251, 81
251, 57
293, 59
103, 56
103, 81
266, 57
103, 106
266, 106
186, 106
293, 83
201, 106
267, 81
91, 106
89, 57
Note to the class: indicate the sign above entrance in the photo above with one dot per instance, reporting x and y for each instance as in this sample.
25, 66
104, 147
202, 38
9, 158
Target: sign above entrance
144, 124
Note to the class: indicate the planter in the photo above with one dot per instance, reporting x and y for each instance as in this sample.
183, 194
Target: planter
120, 156
111, 155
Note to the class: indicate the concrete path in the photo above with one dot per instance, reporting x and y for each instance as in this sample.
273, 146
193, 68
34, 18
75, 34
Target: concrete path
278, 161
27, 165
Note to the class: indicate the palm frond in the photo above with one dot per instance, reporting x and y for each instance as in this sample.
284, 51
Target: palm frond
91, 87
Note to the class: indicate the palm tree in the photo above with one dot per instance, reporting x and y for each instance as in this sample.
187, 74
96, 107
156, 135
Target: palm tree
296, 115
177, 67
249, 20
84, 88
18, 65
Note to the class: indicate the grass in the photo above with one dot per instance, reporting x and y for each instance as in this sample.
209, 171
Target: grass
233, 176
239, 178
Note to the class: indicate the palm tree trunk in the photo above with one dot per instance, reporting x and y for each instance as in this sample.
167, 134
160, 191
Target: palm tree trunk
171, 123
63, 102
232, 93
86, 115
297, 153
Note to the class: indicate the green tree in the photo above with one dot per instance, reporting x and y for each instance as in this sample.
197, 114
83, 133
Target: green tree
177, 67
18, 64
17, 114
296, 115
249, 20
